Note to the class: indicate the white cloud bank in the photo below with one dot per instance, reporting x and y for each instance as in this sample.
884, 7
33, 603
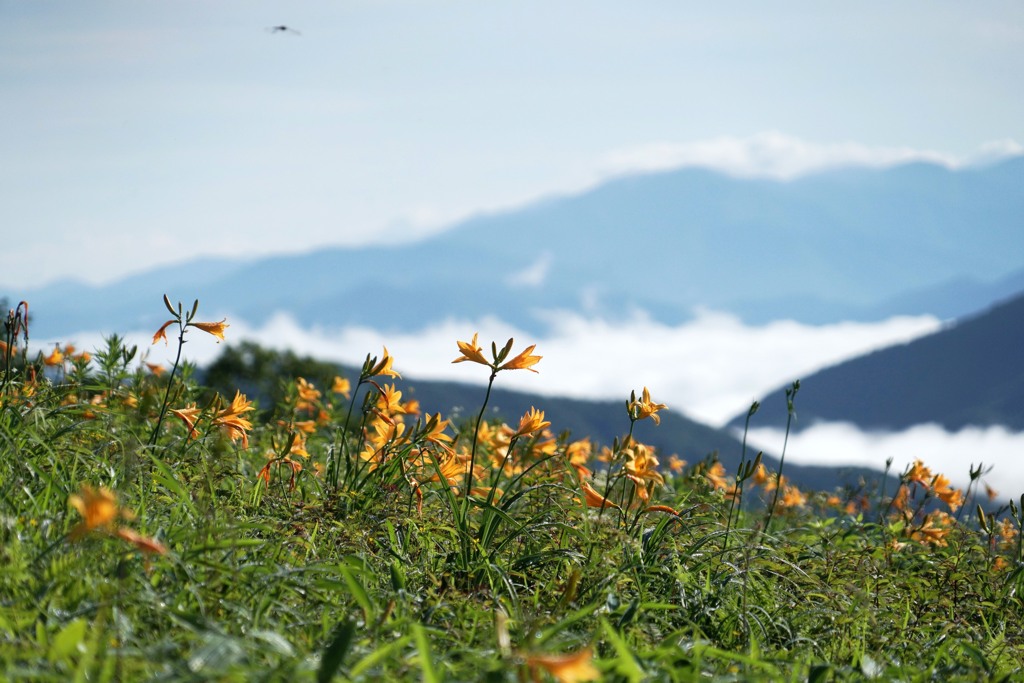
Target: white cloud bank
952, 454
710, 369
776, 155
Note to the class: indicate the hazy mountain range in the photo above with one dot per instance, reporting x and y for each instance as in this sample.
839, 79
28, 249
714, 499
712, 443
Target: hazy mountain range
850, 244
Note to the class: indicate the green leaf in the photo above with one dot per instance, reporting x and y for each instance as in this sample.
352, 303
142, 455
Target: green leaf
334, 655
69, 641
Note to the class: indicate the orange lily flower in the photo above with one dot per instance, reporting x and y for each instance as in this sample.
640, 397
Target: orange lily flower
216, 329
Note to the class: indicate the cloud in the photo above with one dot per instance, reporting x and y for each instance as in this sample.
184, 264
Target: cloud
710, 368
951, 453
783, 157
533, 275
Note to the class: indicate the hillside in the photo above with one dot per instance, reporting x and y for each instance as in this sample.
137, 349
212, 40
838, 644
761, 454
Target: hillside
256, 372
853, 244
970, 373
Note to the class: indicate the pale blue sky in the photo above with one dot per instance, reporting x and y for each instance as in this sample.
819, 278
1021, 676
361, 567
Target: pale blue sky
137, 133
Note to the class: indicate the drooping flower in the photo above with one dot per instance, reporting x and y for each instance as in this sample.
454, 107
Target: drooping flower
216, 329
145, 544
162, 332
189, 415
644, 407
98, 508
593, 498
568, 668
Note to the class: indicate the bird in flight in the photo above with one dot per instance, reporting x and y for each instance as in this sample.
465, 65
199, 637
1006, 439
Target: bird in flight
283, 29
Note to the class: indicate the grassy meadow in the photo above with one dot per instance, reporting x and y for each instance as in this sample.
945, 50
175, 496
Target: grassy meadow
152, 528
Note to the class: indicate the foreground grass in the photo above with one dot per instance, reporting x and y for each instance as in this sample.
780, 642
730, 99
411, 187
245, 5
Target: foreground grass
153, 530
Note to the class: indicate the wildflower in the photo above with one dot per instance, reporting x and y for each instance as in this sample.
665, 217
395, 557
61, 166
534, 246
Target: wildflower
98, 508
307, 392
991, 493
216, 329
433, 432
55, 357
162, 332
934, 530
471, 352
341, 386
716, 476
156, 369
952, 497
760, 476
792, 497
389, 402
1007, 534
384, 367
578, 454
230, 419
189, 415
644, 407
919, 474
595, 499
147, 545
567, 668
676, 464
524, 361
642, 467
531, 422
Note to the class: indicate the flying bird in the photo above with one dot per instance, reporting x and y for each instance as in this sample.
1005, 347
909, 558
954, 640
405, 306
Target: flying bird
283, 29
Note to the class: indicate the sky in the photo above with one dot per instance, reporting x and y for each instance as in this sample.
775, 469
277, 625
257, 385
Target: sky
136, 134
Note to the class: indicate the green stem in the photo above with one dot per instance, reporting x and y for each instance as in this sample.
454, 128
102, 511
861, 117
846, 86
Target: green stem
170, 382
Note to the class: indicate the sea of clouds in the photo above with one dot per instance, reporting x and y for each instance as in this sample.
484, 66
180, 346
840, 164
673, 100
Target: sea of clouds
710, 368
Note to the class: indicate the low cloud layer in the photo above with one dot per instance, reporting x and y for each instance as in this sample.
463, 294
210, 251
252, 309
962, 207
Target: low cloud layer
951, 453
710, 369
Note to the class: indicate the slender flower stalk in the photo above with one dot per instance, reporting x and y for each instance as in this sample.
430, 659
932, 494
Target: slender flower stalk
184, 320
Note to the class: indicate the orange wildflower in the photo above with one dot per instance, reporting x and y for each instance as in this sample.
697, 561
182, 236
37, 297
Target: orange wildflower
952, 497
341, 386
55, 357
232, 421
593, 498
676, 464
532, 421
524, 361
156, 369
792, 497
471, 352
216, 329
934, 530
568, 668
98, 508
147, 545
644, 407
162, 332
189, 415
384, 366
716, 476
919, 474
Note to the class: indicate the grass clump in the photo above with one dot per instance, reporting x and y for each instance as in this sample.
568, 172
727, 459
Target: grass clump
153, 529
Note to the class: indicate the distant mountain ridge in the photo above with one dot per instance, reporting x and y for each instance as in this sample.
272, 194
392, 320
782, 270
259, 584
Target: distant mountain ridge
849, 244
969, 374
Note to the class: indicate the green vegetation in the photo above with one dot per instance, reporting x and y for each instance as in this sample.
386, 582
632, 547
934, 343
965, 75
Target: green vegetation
155, 529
